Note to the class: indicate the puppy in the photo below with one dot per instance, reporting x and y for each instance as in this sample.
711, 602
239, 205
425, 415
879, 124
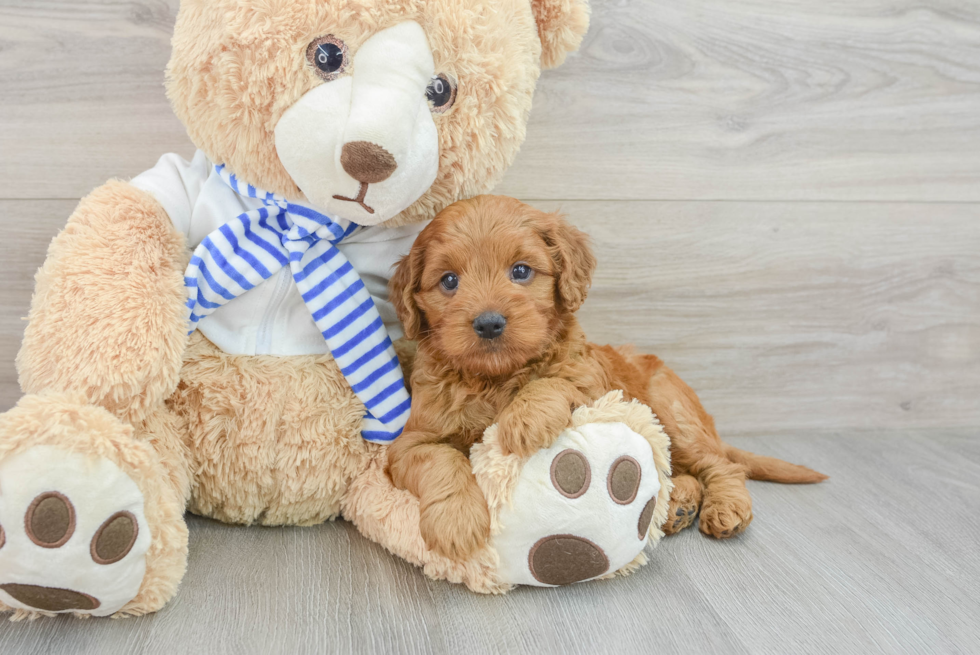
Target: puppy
490, 289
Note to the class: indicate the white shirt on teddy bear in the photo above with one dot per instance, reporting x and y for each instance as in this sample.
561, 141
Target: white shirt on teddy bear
272, 318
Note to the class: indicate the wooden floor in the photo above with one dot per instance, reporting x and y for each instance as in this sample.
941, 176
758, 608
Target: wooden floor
785, 198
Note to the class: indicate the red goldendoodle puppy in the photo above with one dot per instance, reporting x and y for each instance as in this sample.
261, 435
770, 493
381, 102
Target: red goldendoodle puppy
489, 290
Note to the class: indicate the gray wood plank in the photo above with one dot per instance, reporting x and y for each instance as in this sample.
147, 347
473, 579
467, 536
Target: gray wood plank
790, 316
668, 99
85, 98
881, 558
32, 225
754, 99
783, 316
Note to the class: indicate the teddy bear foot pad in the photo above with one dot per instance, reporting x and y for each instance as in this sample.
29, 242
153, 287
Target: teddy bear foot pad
73, 533
581, 509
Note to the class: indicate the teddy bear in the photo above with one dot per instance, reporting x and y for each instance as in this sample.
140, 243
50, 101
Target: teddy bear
215, 335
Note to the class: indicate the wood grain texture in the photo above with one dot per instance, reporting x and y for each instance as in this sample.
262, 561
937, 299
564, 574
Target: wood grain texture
35, 224
762, 99
879, 559
783, 316
668, 99
85, 99
795, 316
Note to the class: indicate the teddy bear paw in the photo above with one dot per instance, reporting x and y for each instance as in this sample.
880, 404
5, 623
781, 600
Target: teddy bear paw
581, 509
73, 534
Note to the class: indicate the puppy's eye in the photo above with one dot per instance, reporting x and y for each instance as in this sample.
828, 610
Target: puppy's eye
449, 282
521, 273
328, 57
441, 93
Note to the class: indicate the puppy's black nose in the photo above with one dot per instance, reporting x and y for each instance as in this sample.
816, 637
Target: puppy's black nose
489, 325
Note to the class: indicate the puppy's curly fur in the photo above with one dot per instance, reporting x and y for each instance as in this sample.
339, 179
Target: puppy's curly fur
496, 255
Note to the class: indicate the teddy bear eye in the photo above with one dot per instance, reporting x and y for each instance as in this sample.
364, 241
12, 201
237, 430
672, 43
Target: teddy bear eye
441, 93
328, 57
521, 272
449, 281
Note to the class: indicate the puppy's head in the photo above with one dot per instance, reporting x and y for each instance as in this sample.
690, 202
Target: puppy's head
489, 282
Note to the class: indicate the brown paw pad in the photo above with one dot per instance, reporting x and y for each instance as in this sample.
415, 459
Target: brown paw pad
571, 473
3, 537
50, 599
114, 538
563, 559
50, 520
646, 516
624, 480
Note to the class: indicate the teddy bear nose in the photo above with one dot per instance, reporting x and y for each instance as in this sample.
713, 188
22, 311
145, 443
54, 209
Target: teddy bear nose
367, 162
489, 325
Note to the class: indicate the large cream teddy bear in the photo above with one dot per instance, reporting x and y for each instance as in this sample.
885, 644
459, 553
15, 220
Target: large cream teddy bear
215, 335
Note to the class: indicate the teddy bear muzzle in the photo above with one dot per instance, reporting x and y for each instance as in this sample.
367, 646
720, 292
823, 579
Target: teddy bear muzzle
364, 146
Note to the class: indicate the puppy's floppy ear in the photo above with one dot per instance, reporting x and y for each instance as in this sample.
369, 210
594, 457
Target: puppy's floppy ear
561, 26
404, 284
574, 261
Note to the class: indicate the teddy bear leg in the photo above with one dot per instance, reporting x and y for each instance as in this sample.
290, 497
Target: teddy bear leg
582, 508
585, 507
273, 440
91, 509
685, 500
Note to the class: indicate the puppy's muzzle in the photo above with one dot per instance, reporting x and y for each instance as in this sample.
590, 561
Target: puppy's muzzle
489, 325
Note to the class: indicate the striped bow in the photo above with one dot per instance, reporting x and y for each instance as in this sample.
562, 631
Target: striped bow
252, 248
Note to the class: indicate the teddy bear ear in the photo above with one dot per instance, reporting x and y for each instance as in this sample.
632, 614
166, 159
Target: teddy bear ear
561, 26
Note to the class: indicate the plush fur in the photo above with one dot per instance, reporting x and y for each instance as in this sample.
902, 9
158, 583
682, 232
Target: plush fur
529, 379
250, 439
272, 440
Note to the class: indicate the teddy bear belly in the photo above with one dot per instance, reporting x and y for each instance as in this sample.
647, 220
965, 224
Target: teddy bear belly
272, 440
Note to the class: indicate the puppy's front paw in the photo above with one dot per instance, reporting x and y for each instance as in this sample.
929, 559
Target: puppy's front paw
456, 527
537, 417
521, 439
525, 433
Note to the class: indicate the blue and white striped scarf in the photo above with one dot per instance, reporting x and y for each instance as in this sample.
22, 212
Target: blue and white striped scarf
252, 248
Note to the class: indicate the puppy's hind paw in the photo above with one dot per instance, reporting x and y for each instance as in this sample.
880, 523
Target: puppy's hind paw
685, 500
725, 518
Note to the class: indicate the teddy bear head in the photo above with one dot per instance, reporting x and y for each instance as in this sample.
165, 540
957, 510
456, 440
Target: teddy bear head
376, 111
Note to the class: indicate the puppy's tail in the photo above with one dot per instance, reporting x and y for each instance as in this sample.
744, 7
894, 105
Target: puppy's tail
771, 469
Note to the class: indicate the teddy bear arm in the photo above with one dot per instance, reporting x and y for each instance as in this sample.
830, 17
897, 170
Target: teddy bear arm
107, 318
